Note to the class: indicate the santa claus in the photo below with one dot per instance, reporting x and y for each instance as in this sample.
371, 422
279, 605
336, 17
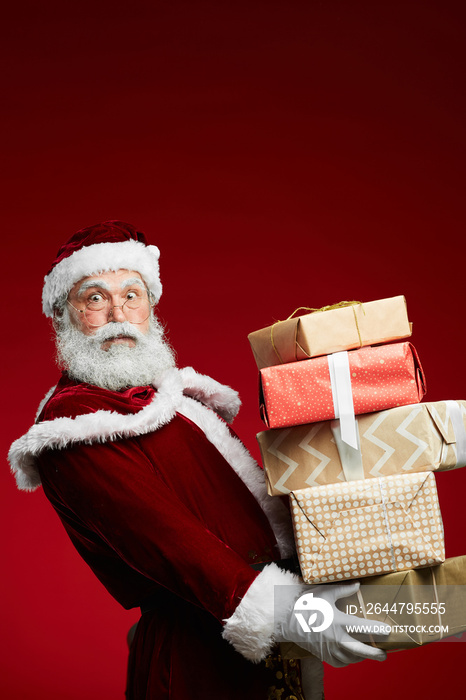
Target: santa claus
159, 496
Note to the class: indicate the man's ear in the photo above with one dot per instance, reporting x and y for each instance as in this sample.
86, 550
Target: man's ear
57, 316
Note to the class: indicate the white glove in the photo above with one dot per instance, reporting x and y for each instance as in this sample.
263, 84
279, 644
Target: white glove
332, 643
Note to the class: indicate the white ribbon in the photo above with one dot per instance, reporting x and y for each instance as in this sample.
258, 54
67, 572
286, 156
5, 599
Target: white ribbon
342, 394
460, 433
350, 458
387, 524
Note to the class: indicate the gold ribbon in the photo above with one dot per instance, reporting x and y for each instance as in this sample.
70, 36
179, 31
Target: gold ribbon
364, 614
439, 614
339, 305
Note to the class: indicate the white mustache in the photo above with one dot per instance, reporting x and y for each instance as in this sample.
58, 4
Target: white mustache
117, 328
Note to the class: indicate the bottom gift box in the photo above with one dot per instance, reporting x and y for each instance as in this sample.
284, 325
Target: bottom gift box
421, 606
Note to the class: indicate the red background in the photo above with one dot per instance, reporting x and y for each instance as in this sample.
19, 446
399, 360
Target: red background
280, 154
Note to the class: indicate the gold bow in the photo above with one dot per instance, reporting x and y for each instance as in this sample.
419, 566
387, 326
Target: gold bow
339, 305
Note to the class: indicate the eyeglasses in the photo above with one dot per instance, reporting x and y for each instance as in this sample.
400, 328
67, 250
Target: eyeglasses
136, 309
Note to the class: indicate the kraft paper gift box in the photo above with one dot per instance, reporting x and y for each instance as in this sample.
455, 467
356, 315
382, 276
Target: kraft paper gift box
333, 386
414, 438
367, 527
421, 606
325, 331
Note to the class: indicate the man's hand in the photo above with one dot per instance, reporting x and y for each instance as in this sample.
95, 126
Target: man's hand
333, 643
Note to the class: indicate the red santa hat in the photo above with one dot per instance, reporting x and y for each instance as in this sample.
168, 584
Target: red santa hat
105, 247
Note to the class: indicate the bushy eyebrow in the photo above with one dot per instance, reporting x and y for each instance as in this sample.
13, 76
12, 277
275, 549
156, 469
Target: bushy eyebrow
100, 284
93, 283
131, 282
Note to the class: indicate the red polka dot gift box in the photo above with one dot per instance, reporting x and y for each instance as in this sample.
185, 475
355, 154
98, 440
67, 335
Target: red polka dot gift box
341, 385
367, 527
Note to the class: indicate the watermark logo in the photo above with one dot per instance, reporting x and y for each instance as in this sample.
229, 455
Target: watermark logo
305, 605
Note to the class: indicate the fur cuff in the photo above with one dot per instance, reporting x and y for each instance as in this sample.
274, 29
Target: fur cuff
250, 628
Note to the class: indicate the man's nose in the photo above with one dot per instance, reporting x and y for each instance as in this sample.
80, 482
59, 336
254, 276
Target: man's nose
116, 314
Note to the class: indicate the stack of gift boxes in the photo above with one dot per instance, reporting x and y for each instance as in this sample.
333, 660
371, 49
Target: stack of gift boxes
355, 449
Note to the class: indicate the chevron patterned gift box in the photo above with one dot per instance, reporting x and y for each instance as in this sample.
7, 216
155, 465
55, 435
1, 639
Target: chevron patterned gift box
367, 527
414, 438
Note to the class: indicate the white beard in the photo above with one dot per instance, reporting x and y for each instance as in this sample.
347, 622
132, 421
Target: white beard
120, 366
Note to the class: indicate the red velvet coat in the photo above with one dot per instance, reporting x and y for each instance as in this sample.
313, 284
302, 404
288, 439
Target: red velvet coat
168, 508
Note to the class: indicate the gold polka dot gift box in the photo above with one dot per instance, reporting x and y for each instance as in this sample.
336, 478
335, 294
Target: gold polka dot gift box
359, 381
367, 527
428, 436
343, 326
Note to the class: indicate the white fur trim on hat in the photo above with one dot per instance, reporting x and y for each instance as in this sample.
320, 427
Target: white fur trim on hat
98, 258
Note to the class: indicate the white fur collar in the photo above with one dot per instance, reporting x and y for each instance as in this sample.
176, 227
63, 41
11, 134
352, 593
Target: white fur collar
109, 425
183, 391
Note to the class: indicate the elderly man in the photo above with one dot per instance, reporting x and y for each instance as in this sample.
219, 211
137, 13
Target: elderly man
158, 496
